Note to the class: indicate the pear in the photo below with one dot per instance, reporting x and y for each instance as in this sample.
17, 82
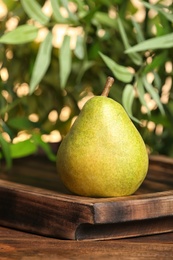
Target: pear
103, 155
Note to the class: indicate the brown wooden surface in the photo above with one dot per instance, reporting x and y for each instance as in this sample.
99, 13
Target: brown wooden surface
16, 245
54, 212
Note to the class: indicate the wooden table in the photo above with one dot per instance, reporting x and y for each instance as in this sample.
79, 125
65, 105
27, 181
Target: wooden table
17, 245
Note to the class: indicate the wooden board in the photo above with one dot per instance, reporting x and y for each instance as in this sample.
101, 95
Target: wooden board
15, 245
33, 199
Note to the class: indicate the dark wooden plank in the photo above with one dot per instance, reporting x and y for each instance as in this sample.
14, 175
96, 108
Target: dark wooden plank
56, 215
55, 212
124, 229
38, 211
17, 245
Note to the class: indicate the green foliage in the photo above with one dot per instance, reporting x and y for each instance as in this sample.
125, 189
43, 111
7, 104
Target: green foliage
120, 72
22, 34
127, 101
160, 42
42, 62
107, 39
65, 61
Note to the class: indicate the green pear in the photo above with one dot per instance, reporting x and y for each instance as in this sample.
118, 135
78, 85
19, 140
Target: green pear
103, 155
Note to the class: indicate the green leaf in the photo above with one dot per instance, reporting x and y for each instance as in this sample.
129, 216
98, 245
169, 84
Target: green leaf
42, 62
56, 11
22, 34
141, 93
120, 72
103, 18
161, 42
45, 146
33, 10
23, 148
157, 80
153, 94
71, 15
127, 101
79, 50
160, 9
65, 61
80, 4
135, 57
6, 153
20, 123
139, 32
6, 129
157, 61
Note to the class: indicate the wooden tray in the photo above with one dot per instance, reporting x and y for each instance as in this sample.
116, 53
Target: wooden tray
33, 199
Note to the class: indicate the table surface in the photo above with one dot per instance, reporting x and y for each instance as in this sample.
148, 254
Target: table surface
16, 245
20, 245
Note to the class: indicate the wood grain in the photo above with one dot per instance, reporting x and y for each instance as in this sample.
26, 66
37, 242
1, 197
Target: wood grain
45, 207
15, 245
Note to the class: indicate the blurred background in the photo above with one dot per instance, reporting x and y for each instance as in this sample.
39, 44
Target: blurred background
56, 54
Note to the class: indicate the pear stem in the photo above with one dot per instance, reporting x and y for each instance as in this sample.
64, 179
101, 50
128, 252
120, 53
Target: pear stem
107, 87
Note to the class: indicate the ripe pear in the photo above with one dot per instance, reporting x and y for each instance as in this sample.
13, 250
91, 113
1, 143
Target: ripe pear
103, 155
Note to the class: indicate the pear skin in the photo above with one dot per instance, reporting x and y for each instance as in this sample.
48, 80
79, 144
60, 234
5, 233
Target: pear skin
103, 155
